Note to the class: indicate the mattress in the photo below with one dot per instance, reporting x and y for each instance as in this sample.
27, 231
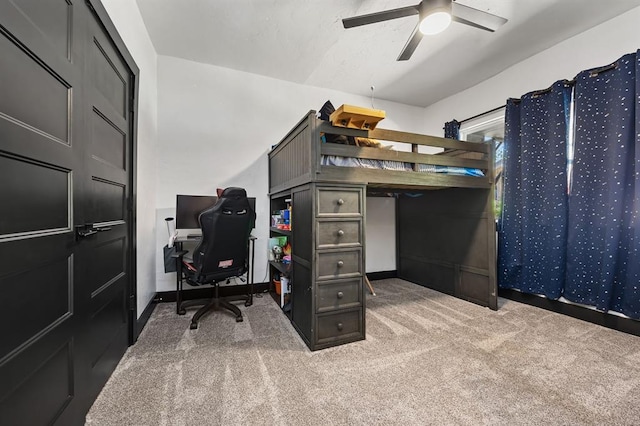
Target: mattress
365, 163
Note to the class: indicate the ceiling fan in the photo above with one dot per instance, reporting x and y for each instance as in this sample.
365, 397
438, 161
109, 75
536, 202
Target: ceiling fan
435, 16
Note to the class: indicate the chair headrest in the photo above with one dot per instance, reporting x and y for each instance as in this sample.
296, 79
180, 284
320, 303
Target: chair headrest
233, 192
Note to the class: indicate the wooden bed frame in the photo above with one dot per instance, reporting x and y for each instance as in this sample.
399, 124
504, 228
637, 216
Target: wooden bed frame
445, 226
296, 159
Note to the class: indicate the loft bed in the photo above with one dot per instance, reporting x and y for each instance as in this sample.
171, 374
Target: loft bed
445, 226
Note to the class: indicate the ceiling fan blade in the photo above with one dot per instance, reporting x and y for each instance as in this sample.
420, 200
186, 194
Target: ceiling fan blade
411, 45
476, 18
387, 15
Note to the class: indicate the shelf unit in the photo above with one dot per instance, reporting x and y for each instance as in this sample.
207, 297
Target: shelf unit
280, 231
278, 268
326, 272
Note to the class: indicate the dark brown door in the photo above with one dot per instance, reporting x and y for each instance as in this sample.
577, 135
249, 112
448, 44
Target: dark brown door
65, 140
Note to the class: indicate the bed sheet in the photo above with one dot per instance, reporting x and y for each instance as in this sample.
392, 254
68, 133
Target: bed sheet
365, 163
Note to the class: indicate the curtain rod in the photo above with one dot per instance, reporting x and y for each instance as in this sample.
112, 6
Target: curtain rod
536, 93
539, 92
594, 72
483, 113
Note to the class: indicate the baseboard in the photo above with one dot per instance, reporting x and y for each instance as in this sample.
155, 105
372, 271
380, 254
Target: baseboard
615, 322
144, 318
382, 275
191, 293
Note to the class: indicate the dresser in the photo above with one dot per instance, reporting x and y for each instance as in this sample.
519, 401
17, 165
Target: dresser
328, 261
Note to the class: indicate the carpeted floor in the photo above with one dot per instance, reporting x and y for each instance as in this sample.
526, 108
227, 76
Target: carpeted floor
428, 359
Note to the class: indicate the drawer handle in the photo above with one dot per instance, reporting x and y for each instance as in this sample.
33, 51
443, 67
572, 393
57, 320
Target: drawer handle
340, 295
340, 233
340, 201
340, 263
339, 326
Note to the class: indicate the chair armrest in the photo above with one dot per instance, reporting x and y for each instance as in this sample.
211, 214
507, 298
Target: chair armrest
189, 266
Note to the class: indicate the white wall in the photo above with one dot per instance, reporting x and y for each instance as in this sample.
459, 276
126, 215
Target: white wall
215, 127
380, 235
598, 46
126, 17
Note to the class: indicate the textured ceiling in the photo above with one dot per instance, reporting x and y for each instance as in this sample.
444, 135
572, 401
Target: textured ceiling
303, 41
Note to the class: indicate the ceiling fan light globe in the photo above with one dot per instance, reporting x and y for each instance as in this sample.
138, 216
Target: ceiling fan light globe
435, 23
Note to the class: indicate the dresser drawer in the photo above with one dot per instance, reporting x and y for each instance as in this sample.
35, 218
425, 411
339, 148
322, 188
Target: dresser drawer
338, 264
340, 202
332, 295
338, 233
340, 325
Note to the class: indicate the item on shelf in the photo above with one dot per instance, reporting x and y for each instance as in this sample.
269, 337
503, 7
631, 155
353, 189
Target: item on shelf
271, 243
286, 254
275, 241
277, 253
289, 206
285, 291
281, 219
284, 222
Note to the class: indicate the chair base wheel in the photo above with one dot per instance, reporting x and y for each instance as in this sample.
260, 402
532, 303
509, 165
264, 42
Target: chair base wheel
182, 312
248, 303
238, 319
193, 326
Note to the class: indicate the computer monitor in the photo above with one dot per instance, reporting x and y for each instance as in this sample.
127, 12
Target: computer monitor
189, 207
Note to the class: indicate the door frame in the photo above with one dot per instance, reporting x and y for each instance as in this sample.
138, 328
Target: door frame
104, 19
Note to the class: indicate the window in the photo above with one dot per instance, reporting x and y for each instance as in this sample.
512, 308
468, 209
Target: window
488, 127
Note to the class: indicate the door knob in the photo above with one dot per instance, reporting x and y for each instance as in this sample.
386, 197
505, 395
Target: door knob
340, 201
82, 232
87, 230
340, 233
340, 263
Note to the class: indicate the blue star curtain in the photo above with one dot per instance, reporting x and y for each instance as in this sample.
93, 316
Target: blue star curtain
452, 129
603, 260
509, 224
533, 228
